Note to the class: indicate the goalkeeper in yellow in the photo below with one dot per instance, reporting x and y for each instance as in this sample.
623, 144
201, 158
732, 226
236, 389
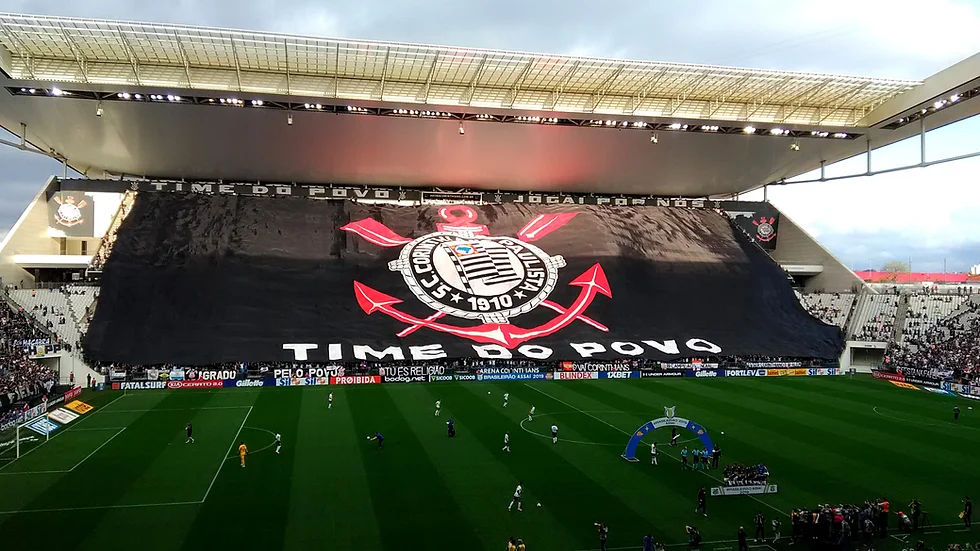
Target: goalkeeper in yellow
242, 452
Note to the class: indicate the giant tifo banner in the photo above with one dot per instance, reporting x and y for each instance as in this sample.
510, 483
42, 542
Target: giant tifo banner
198, 279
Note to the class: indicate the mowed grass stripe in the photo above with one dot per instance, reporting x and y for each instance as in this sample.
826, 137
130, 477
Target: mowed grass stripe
681, 486
330, 507
884, 427
124, 460
738, 509
575, 497
491, 474
473, 473
798, 453
405, 489
265, 480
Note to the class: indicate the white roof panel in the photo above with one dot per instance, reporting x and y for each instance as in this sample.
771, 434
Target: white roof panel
95, 51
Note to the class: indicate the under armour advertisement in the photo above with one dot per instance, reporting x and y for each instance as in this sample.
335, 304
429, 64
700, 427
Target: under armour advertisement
196, 279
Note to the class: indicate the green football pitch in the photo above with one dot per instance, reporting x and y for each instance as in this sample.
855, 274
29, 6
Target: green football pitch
121, 477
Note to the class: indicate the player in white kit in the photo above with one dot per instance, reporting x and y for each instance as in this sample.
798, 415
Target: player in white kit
330, 400
506, 398
438, 407
530, 413
653, 453
517, 497
278, 442
554, 434
506, 447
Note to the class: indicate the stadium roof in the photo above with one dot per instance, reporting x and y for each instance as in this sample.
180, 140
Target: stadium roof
70, 50
149, 100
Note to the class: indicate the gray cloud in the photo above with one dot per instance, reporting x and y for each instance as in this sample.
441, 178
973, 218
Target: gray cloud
861, 250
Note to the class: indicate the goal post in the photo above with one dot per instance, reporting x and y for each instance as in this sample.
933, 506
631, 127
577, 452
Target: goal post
27, 438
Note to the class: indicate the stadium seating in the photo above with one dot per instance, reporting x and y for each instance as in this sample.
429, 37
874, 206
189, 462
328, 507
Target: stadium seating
20, 376
53, 309
948, 349
874, 318
832, 308
925, 311
108, 241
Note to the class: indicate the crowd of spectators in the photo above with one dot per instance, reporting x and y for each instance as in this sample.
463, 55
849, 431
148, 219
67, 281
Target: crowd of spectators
948, 350
745, 475
109, 240
878, 319
20, 376
830, 308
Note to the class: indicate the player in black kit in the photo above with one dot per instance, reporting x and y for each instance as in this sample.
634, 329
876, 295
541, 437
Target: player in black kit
190, 434
956, 413
702, 502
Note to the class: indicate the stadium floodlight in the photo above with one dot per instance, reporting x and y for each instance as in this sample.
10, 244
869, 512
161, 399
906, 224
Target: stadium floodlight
30, 90
749, 130
840, 135
675, 126
137, 96
954, 97
778, 131
56, 92
939, 104
639, 124
709, 128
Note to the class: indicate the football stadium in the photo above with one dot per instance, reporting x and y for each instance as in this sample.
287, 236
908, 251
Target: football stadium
378, 295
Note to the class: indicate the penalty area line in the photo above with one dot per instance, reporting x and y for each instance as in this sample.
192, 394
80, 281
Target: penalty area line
675, 458
97, 507
68, 429
223, 459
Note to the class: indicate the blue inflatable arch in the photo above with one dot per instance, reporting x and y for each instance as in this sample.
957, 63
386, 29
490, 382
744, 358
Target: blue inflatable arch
630, 453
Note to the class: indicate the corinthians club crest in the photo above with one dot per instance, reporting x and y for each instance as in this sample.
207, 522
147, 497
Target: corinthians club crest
764, 230
463, 272
69, 212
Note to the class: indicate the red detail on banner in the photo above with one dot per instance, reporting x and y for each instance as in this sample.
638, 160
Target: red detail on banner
888, 376
592, 282
543, 224
356, 380
376, 232
460, 223
196, 384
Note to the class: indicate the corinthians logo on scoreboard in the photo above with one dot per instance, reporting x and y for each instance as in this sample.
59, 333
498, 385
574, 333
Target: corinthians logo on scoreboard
462, 271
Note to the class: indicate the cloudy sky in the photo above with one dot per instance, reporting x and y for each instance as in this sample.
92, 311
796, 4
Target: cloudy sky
927, 215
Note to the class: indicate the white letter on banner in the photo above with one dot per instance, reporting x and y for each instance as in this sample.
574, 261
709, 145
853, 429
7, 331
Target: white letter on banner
334, 352
587, 349
492, 351
362, 350
627, 348
260, 190
299, 350
536, 352
427, 352
701, 345
284, 190
667, 347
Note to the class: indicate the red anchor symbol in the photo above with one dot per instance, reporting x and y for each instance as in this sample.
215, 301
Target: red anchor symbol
592, 282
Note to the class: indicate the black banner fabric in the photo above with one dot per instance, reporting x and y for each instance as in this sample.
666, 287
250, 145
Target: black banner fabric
197, 279
72, 213
760, 221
